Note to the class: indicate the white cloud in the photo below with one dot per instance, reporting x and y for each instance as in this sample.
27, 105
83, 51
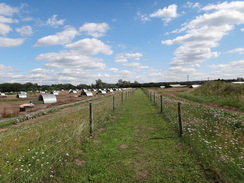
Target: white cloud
72, 60
234, 5
25, 30
95, 29
135, 64
7, 10
191, 5
54, 22
234, 66
123, 57
60, 38
242, 29
232, 69
237, 50
90, 47
204, 33
8, 42
41, 71
166, 14
7, 20
4, 69
143, 17
4, 29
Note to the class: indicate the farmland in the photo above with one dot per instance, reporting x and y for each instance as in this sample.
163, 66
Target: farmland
58, 144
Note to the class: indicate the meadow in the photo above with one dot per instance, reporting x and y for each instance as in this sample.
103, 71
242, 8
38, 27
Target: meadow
221, 93
215, 136
33, 149
51, 148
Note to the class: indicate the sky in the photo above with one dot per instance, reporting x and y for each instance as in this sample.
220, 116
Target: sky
79, 41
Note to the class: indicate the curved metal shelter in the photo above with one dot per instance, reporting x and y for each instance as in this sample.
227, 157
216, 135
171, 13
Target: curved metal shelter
21, 95
55, 92
86, 93
102, 92
47, 98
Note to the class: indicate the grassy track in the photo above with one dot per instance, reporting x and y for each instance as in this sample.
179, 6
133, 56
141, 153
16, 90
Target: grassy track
136, 146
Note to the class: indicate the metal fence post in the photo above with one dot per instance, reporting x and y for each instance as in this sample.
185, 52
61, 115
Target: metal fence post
180, 122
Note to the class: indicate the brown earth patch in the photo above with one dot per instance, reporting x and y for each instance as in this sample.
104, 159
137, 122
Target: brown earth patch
98, 132
123, 146
79, 161
96, 141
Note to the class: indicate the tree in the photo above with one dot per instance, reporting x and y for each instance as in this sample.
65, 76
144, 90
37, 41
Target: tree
99, 83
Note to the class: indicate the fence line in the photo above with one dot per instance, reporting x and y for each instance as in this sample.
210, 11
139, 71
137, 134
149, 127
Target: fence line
31, 152
214, 136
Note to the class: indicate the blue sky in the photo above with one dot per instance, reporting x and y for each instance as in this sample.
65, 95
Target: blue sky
78, 41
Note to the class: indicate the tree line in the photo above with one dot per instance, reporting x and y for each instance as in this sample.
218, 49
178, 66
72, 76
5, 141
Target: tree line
17, 87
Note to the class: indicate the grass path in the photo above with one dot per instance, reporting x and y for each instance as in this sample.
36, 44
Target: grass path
136, 146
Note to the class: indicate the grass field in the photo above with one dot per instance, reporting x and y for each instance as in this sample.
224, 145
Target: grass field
134, 144
138, 145
221, 93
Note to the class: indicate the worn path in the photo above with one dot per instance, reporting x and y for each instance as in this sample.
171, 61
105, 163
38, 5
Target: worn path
138, 146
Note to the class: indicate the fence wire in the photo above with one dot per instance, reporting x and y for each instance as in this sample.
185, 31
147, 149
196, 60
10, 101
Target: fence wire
32, 151
214, 136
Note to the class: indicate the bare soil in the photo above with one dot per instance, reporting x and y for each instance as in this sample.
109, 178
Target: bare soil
10, 105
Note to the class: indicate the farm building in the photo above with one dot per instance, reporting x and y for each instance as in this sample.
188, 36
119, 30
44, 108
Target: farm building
72, 91
21, 95
86, 93
47, 98
110, 90
55, 92
2, 94
177, 86
194, 86
102, 92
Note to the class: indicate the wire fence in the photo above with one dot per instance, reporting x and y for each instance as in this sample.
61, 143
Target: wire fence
214, 136
33, 150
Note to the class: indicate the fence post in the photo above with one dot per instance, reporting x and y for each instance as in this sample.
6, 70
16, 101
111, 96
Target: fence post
180, 122
154, 97
161, 104
122, 98
91, 120
113, 103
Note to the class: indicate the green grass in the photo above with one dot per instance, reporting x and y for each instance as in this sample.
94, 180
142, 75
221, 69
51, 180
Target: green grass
224, 94
136, 146
33, 152
214, 136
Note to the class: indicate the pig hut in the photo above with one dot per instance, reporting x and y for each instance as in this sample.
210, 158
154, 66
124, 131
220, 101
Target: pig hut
47, 98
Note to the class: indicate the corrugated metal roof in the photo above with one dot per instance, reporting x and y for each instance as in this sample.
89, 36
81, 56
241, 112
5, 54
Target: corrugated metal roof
47, 98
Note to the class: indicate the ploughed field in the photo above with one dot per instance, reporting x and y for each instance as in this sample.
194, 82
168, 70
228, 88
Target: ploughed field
10, 105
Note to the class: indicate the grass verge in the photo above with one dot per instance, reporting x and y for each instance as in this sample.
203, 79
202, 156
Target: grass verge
136, 146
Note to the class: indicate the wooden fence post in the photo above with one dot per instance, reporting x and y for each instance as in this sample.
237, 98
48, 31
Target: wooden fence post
154, 98
113, 103
122, 98
91, 120
161, 104
180, 122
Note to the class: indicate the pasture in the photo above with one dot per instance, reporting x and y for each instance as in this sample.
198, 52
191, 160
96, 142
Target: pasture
56, 147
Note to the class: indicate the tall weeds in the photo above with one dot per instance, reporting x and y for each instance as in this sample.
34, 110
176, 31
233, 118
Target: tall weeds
222, 93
